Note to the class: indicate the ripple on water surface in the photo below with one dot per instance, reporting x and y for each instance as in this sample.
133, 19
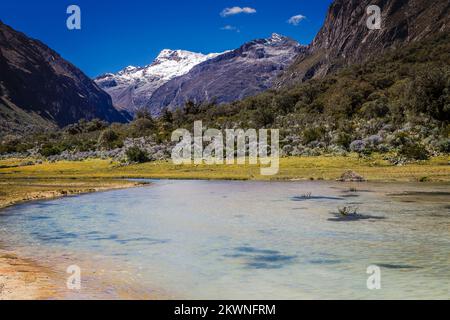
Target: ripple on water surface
251, 239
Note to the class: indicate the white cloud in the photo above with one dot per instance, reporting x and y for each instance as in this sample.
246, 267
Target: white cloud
236, 10
230, 28
295, 20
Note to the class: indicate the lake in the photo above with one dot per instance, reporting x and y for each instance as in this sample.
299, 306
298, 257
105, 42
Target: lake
242, 240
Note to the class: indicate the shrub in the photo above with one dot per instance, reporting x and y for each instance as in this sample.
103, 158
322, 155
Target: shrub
50, 150
375, 109
344, 140
264, 117
358, 146
143, 114
167, 115
95, 125
414, 151
444, 146
134, 154
429, 93
285, 103
313, 134
108, 138
143, 124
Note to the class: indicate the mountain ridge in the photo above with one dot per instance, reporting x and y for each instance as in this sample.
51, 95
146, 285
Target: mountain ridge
234, 75
344, 38
39, 81
132, 87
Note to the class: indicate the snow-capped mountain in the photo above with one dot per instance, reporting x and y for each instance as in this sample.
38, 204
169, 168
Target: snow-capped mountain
132, 87
232, 76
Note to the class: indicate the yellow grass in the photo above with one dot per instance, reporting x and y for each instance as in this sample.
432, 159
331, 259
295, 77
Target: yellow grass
48, 180
326, 168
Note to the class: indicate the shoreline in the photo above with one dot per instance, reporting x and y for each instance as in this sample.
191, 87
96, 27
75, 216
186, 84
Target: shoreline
23, 279
67, 192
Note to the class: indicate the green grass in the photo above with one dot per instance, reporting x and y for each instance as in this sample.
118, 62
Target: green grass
301, 168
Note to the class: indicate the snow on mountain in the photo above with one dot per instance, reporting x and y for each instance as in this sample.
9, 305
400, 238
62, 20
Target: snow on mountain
132, 87
232, 76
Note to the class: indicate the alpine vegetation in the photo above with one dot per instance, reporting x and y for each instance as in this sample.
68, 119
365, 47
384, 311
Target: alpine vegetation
237, 144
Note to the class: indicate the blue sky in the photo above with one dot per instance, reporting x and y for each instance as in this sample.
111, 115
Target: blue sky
116, 34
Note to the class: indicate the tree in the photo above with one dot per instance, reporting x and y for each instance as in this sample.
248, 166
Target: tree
143, 114
429, 93
167, 115
108, 138
135, 154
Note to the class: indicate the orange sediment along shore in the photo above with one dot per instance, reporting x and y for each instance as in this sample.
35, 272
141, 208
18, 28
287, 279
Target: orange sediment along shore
22, 279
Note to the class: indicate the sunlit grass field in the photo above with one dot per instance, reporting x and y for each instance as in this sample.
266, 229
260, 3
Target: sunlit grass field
301, 168
19, 182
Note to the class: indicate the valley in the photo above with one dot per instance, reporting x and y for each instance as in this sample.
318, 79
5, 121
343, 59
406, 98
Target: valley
361, 155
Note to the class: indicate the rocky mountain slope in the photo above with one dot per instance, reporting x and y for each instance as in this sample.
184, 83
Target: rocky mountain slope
231, 76
345, 38
37, 83
132, 87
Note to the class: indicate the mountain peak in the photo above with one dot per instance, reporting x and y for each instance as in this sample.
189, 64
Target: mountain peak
277, 37
131, 87
167, 54
176, 55
128, 69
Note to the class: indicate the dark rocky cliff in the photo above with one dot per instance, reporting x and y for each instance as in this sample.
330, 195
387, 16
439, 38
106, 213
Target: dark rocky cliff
345, 39
38, 81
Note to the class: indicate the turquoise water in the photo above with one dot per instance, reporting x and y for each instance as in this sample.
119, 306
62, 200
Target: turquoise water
242, 240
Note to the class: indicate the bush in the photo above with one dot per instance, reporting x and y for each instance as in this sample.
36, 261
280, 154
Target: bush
108, 138
313, 134
95, 125
264, 117
358, 146
143, 114
344, 140
142, 125
50, 150
375, 109
414, 151
444, 146
134, 154
429, 93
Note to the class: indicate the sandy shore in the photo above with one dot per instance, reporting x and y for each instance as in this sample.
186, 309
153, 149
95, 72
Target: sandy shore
23, 279
57, 191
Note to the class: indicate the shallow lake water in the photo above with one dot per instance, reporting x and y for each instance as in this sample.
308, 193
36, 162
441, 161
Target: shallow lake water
242, 240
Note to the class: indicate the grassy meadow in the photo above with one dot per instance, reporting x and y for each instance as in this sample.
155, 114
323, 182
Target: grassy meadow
21, 182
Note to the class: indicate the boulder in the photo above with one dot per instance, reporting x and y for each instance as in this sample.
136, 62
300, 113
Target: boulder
351, 176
